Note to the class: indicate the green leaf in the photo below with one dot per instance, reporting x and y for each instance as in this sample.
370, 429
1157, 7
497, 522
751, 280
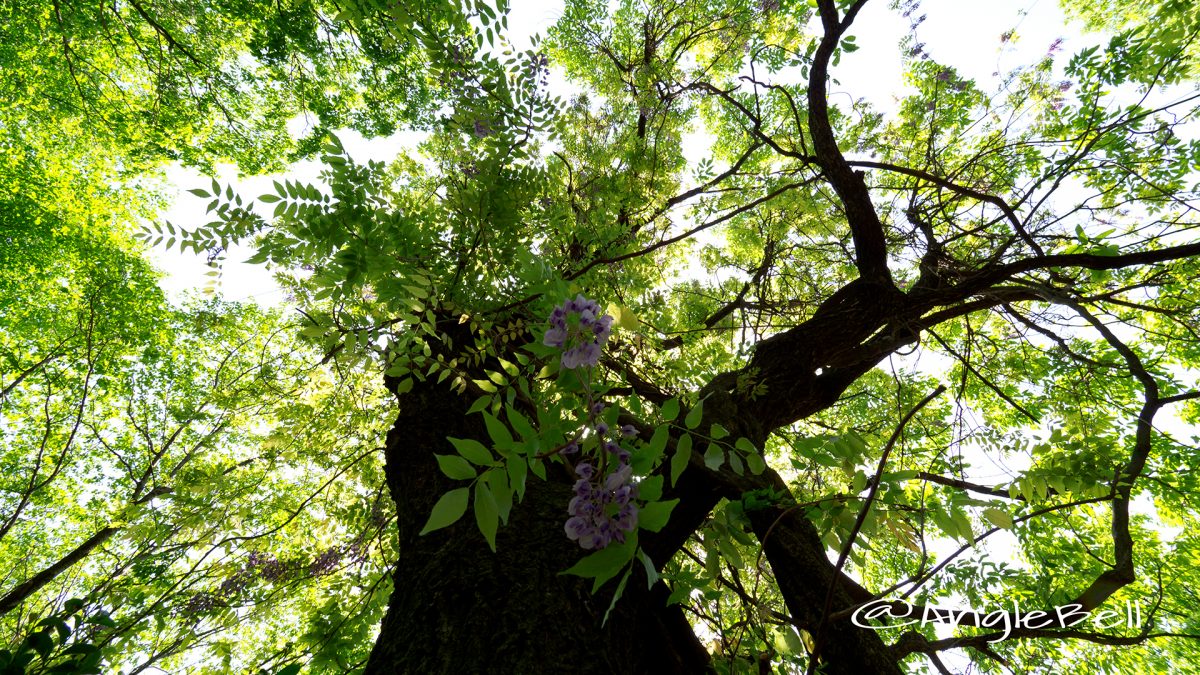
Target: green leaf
291, 669
694, 416
59, 626
518, 470
754, 460
735, 464
616, 595
714, 456
497, 482
658, 442
623, 317
651, 572
538, 468
508, 366
487, 515
648, 455
856, 443
472, 450
999, 518
520, 424
605, 563
858, 483
455, 467
499, 433
962, 526
650, 488
654, 516
670, 409
447, 510
102, 619
41, 642
480, 403
795, 644
717, 432
679, 461
729, 552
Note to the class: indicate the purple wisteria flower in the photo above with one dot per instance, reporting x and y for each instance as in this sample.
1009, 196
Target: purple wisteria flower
578, 327
602, 511
604, 508
614, 448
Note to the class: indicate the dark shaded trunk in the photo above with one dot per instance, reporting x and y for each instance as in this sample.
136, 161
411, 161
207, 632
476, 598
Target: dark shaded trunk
791, 544
804, 575
459, 608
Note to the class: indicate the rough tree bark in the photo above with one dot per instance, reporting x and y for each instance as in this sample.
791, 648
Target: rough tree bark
459, 608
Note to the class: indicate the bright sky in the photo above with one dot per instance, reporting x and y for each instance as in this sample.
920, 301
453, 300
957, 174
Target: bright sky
964, 34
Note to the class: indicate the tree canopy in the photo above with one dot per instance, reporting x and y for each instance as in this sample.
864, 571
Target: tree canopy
664, 351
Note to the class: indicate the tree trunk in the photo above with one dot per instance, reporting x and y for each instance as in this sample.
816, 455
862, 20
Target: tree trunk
459, 608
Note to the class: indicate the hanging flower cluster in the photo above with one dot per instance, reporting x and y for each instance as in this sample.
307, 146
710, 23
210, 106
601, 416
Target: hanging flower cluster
577, 326
604, 507
272, 569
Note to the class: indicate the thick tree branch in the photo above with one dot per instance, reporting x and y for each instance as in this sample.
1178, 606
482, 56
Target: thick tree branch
992, 275
999, 203
27, 372
870, 247
22, 591
968, 486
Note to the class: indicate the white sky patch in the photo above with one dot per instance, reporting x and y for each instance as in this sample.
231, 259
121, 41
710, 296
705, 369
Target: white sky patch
187, 273
966, 35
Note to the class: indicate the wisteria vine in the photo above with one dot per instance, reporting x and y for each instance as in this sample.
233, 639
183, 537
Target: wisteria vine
604, 507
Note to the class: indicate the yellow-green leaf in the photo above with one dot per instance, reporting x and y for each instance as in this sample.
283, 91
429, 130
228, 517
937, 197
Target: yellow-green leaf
998, 517
447, 510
